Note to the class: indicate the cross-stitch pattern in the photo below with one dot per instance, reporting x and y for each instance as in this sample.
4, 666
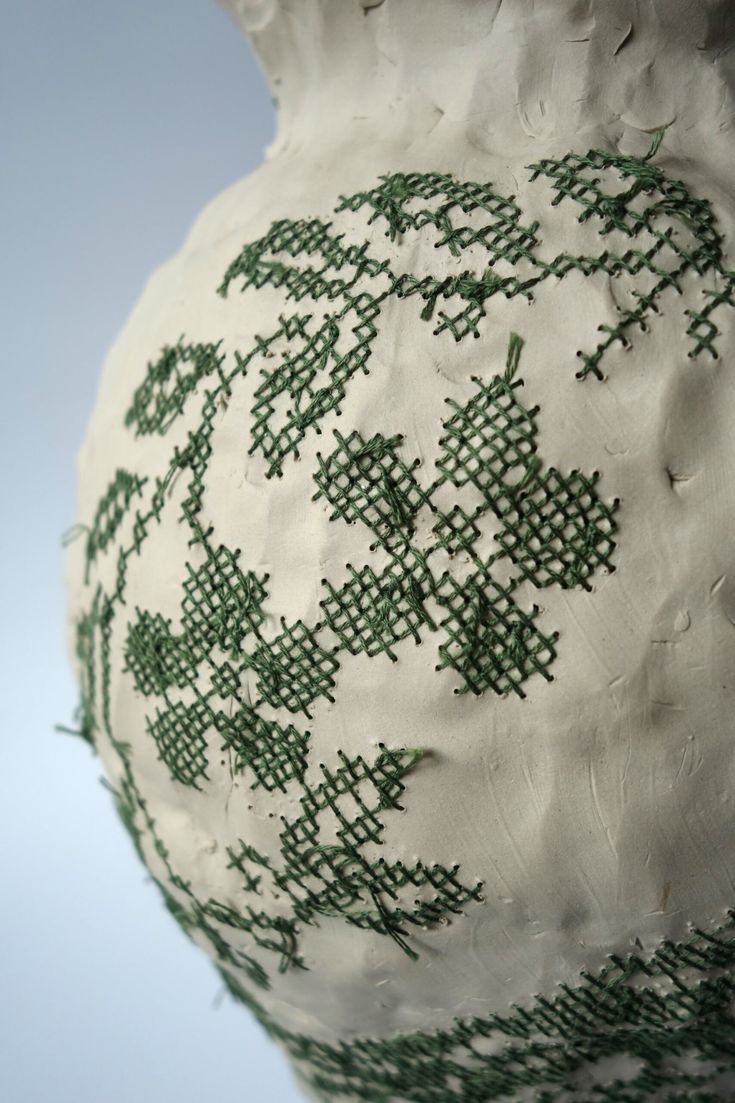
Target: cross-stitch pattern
112, 507
169, 381
675, 234
671, 234
223, 681
341, 879
669, 1017
556, 530
276, 754
221, 609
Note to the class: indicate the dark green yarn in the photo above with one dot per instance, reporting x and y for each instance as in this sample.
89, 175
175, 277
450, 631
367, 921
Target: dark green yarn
502, 235
666, 257
702, 329
125, 800
558, 532
295, 669
368, 481
674, 235
87, 673
555, 529
157, 659
655, 213
222, 605
275, 754
169, 382
491, 642
489, 442
455, 531
372, 613
340, 878
221, 611
112, 507
554, 1049
221, 616
552, 529
179, 734
208, 919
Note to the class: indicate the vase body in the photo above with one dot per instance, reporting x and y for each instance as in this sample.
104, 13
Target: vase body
404, 610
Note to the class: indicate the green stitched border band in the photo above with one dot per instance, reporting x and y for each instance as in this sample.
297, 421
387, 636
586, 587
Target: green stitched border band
551, 529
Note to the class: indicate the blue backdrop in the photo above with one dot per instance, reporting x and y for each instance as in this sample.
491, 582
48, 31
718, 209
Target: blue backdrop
119, 121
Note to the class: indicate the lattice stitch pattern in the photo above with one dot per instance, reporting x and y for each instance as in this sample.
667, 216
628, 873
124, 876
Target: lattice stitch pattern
345, 878
221, 610
342, 879
669, 1017
324, 353
490, 641
555, 529
667, 234
111, 510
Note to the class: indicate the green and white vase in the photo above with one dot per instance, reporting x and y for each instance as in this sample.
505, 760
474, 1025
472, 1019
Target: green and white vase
404, 606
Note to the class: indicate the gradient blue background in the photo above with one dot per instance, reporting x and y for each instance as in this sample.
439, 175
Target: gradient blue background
119, 121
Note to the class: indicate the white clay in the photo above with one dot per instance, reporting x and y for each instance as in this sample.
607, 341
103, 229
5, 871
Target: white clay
596, 810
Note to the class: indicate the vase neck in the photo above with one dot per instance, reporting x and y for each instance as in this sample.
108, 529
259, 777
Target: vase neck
514, 72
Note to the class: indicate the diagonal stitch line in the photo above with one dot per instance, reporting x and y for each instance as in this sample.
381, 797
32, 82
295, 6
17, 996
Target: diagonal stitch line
179, 732
547, 1045
194, 454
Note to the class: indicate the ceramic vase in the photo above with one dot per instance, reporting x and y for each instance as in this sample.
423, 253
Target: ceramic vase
404, 598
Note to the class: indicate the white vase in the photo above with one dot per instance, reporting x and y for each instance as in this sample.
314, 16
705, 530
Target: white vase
404, 601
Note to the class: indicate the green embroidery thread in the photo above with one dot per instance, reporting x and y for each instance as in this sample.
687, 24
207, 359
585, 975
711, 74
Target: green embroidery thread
169, 382
112, 507
221, 608
338, 878
669, 1017
553, 529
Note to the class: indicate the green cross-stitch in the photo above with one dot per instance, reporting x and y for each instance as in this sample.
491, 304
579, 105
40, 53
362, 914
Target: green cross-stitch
342, 878
112, 507
221, 613
335, 880
667, 1018
169, 382
554, 529
551, 529
276, 754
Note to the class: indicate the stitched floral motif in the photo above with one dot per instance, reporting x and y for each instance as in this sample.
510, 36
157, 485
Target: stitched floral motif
235, 677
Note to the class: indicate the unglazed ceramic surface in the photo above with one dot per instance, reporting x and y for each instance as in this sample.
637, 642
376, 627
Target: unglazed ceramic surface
574, 790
